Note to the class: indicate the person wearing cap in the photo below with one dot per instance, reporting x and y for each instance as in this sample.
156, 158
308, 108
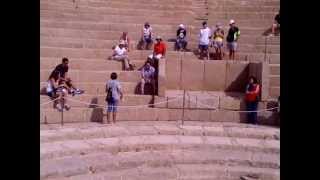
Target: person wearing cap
159, 50
120, 54
147, 76
232, 38
124, 37
218, 36
181, 42
146, 36
204, 40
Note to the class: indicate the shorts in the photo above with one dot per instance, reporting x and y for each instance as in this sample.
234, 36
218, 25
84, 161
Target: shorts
51, 94
217, 44
232, 45
147, 39
119, 57
112, 106
203, 47
158, 56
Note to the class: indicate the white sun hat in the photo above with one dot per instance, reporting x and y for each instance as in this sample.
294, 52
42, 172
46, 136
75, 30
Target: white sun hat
181, 26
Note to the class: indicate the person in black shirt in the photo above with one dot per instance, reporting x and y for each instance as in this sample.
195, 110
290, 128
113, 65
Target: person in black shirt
63, 70
232, 38
181, 42
276, 24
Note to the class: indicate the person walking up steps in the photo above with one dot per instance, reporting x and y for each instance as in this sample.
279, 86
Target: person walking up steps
232, 38
114, 94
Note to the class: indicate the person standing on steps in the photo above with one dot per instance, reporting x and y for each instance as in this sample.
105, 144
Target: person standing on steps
120, 54
218, 37
147, 76
146, 37
63, 71
204, 40
125, 38
232, 38
252, 99
114, 94
181, 42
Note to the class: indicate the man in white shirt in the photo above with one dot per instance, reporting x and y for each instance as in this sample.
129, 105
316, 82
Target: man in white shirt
120, 54
147, 76
204, 40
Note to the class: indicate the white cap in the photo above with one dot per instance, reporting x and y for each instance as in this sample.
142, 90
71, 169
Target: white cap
158, 37
181, 25
231, 21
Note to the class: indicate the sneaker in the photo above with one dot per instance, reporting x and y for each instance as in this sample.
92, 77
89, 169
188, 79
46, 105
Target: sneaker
67, 107
59, 107
78, 91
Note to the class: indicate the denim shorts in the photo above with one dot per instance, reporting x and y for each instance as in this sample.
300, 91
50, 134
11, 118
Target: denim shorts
112, 106
203, 47
232, 45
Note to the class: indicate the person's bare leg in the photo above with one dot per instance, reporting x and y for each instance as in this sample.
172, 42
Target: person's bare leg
108, 117
233, 55
114, 117
142, 86
126, 64
273, 29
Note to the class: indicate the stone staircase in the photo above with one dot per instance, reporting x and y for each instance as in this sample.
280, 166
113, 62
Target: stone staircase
149, 142
257, 16
155, 150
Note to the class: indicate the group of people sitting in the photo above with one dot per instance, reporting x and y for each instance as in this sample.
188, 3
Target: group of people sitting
59, 85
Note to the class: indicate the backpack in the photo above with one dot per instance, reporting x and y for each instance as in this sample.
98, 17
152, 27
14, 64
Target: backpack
109, 97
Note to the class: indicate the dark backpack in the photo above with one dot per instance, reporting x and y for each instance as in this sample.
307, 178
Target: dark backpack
109, 97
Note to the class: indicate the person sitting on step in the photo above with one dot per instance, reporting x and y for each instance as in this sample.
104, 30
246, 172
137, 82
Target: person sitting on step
52, 86
147, 76
124, 37
146, 37
181, 42
159, 51
62, 92
63, 71
120, 54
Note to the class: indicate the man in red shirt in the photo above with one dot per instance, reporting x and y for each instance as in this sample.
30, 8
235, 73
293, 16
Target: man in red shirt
159, 50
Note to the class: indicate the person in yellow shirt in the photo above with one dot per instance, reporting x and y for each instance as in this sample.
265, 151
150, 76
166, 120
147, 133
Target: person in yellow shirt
218, 37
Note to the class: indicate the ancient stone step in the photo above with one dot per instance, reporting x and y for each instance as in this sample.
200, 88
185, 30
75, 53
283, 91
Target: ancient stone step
93, 130
118, 160
94, 76
181, 171
88, 64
